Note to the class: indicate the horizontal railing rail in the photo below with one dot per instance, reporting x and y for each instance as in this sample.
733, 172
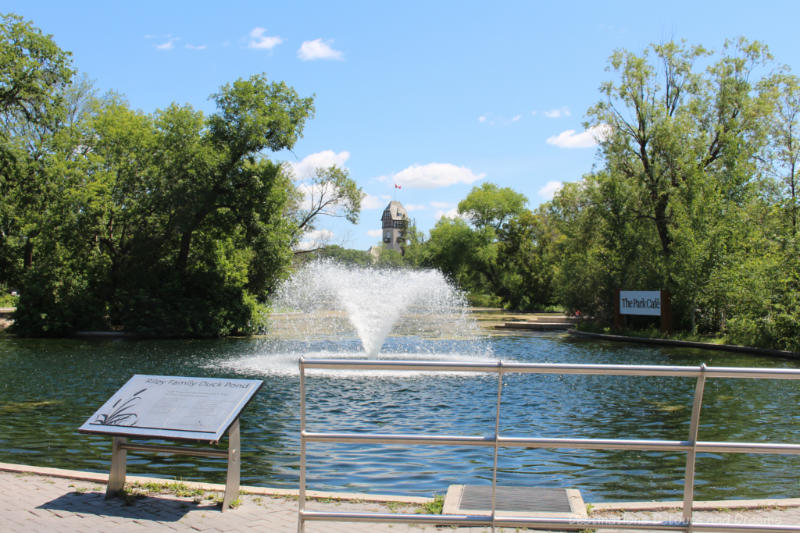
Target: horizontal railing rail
585, 444
691, 446
555, 368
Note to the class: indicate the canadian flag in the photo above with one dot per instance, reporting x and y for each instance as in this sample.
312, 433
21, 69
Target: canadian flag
396, 186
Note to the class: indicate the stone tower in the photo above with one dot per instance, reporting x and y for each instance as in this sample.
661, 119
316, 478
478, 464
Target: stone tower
394, 223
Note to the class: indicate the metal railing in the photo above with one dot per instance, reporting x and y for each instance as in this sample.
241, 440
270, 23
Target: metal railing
691, 446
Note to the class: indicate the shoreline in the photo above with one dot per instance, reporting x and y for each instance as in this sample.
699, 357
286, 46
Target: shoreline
499, 320
686, 344
102, 478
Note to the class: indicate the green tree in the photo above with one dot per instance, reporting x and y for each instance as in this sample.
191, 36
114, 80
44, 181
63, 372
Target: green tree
330, 192
451, 248
490, 205
180, 221
525, 252
466, 248
34, 75
783, 159
686, 145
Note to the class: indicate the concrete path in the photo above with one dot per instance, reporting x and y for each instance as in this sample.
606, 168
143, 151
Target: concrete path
37, 503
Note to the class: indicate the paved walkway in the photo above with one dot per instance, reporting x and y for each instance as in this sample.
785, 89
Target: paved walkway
33, 503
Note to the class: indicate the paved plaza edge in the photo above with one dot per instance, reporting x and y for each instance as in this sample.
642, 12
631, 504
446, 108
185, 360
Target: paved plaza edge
43, 499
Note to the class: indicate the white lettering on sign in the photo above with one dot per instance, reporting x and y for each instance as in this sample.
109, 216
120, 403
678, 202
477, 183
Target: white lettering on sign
640, 303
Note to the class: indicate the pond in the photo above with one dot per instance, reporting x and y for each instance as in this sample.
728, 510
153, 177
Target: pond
48, 388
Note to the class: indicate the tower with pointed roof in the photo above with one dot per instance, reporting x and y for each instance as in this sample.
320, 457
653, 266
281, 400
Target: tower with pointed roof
394, 223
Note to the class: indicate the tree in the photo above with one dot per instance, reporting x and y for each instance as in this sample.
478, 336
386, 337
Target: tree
686, 145
451, 248
34, 75
783, 160
331, 192
34, 70
180, 221
490, 205
527, 263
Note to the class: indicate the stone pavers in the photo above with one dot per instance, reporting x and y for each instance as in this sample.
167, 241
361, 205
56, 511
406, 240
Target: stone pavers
766, 516
33, 503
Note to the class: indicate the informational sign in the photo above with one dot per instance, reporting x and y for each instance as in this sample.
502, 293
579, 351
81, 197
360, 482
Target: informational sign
646, 303
173, 407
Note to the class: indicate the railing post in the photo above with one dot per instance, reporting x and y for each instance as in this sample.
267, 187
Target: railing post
694, 424
496, 439
301, 495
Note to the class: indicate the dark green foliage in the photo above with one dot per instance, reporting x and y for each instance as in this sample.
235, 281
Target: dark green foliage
34, 73
163, 224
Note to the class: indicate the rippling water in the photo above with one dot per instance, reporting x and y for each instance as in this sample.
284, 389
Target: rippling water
48, 388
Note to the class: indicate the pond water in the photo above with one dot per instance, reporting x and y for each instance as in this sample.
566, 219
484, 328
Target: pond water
48, 388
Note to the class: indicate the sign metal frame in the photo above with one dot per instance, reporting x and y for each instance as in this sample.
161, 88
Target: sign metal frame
165, 407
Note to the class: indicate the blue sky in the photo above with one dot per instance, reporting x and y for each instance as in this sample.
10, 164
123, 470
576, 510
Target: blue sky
436, 96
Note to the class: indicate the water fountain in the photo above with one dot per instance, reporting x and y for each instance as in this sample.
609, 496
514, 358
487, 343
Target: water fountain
331, 310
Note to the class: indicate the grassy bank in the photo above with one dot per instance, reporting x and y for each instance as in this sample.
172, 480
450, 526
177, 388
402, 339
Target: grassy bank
653, 333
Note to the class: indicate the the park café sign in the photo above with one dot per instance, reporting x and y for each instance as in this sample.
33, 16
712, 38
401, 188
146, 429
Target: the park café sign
643, 303
646, 303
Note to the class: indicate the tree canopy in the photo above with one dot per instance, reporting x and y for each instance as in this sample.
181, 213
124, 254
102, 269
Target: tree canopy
168, 223
695, 192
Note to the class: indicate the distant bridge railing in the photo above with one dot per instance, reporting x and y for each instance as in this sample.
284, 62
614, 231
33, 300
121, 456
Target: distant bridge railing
691, 446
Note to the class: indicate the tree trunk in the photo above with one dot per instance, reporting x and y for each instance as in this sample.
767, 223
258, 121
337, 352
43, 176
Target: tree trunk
662, 226
183, 253
28, 257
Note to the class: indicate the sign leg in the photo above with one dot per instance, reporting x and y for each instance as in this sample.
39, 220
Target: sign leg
234, 466
119, 458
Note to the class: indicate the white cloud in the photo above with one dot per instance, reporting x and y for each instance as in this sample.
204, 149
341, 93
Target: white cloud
169, 44
415, 207
263, 42
196, 46
584, 139
434, 175
452, 213
493, 119
375, 233
305, 168
557, 113
549, 189
441, 205
318, 49
314, 239
372, 202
